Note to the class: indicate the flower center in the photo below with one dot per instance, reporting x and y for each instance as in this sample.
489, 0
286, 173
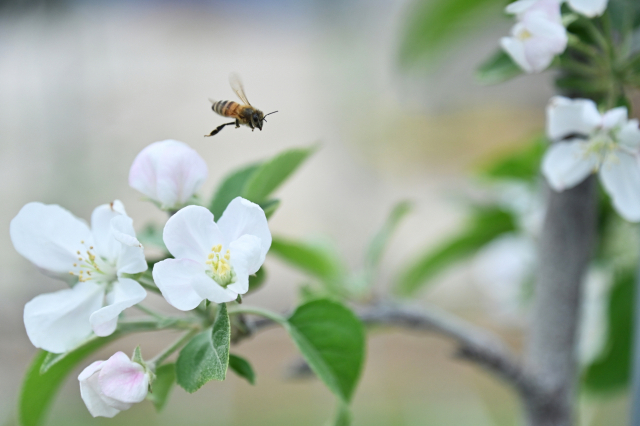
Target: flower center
92, 268
220, 267
524, 34
601, 144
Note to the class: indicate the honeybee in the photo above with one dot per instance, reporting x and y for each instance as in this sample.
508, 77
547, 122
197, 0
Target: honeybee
243, 114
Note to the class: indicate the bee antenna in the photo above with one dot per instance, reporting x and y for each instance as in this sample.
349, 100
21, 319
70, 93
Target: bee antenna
269, 114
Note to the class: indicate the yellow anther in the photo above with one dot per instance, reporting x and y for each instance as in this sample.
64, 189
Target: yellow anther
81, 241
71, 273
78, 252
80, 259
210, 255
91, 248
81, 271
75, 264
228, 255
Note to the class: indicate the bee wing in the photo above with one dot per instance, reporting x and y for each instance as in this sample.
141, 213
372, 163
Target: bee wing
237, 87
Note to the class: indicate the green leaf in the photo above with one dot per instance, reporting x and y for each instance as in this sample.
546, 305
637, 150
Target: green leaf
206, 356
242, 368
315, 259
256, 281
433, 25
162, 385
270, 207
612, 370
521, 164
485, 225
271, 174
497, 69
332, 341
382, 237
232, 186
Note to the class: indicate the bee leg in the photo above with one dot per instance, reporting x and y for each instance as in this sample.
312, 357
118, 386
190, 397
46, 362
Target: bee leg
237, 124
217, 129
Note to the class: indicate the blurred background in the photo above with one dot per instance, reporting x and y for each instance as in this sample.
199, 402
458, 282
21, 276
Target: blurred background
85, 85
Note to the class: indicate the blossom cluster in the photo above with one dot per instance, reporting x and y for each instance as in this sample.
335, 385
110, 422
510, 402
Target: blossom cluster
102, 262
539, 33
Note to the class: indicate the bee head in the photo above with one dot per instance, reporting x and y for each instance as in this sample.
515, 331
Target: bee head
257, 117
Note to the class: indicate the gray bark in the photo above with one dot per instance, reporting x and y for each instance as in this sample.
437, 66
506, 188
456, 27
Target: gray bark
565, 248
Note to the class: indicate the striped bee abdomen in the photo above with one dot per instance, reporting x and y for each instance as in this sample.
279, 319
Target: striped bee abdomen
226, 108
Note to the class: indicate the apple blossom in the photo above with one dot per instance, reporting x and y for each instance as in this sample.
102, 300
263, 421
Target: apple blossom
538, 36
108, 387
168, 172
91, 260
212, 260
587, 141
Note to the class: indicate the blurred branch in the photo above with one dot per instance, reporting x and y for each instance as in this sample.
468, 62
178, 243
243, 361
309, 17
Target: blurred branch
476, 344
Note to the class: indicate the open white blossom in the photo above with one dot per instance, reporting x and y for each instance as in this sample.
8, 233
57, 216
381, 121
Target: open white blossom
212, 260
586, 142
91, 260
538, 36
168, 172
108, 387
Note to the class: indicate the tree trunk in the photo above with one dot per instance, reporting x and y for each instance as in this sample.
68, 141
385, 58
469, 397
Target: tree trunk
565, 248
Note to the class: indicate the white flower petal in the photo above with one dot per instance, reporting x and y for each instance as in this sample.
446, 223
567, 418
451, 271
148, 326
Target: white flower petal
245, 260
123, 380
122, 230
515, 48
566, 164
49, 236
106, 245
614, 118
169, 172
571, 116
174, 277
589, 8
620, 175
191, 233
629, 135
519, 7
131, 260
125, 293
90, 392
59, 321
244, 217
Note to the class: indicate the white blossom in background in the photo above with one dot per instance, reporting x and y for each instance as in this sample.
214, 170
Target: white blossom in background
594, 319
586, 142
168, 172
92, 261
212, 260
108, 387
538, 36
588, 8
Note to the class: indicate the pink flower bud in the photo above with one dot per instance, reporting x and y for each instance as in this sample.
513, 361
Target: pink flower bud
108, 387
168, 172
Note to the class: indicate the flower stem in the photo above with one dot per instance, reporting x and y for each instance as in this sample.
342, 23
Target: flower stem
158, 359
149, 285
149, 311
258, 311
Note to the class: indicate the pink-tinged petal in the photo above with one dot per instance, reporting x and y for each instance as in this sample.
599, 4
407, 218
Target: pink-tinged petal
620, 175
566, 164
90, 392
515, 48
131, 260
122, 230
629, 135
49, 236
191, 233
589, 8
169, 172
571, 116
245, 260
174, 278
122, 380
58, 322
106, 246
244, 217
549, 8
125, 293
614, 118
